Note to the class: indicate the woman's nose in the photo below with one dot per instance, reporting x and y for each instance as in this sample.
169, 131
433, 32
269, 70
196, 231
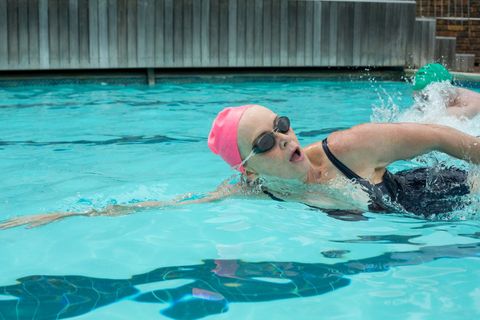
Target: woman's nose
282, 140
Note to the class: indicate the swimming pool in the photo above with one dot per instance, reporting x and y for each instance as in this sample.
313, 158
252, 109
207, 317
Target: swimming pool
72, 147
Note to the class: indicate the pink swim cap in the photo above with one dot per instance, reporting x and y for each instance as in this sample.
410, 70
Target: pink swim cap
222, 139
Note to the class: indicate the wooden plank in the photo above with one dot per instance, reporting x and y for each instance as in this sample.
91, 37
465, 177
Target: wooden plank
275, 43
197, 33
43, 41
333, 26
357, 35
345, 34
370, 33
431, 39
178, 33
267, 33
141, 33
159, 34
132, 33
22, 34
407, 28
103, 54
112, 34
12, 21
232, 33
417, 47
380, 54
205, 33
213, 32
33, 30
258, 34
54, 47
325, 34
223, 34
300, 52
379, 51
364, 23
249, 33
401, 25
83, 34
341, 34
3, 35
63, 26
416, 42
309, 12
446, 51
283, 33
93, 33
340, 40
187, 33
391, 29
451, 54
439, 49
241, 33
73, 42
122, 35
404, 25
292, 33
150, 34
424, 44
317, 33
168, 35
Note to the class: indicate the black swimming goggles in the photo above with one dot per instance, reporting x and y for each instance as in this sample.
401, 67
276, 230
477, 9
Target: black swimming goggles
266, 141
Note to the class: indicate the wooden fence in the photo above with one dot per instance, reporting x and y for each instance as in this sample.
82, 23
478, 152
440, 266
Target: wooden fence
83, 34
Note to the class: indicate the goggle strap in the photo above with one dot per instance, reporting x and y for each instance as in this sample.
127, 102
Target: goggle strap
251, 154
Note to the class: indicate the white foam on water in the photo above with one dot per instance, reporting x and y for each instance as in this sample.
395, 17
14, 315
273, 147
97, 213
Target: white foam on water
430, 107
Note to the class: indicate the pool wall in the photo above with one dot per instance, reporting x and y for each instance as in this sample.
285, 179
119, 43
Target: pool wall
112, 34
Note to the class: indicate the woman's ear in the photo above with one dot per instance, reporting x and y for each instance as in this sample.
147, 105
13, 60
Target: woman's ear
251, 175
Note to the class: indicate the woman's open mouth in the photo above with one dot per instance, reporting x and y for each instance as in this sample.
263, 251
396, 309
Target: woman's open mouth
297, 155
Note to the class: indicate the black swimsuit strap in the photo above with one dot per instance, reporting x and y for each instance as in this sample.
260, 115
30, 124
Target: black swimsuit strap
338, 164
376, 191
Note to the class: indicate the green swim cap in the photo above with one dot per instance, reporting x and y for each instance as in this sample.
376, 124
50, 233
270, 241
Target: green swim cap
432, 72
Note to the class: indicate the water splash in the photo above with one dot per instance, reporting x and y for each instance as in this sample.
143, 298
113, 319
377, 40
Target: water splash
126, 195
430, 107
338, 193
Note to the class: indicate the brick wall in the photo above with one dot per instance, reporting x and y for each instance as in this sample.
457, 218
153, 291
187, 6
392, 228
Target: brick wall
467, 31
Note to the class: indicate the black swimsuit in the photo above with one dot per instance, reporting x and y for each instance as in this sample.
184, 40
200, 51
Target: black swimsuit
421, 191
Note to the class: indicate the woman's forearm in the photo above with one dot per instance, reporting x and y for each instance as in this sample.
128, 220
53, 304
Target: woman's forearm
460, 145
118, 210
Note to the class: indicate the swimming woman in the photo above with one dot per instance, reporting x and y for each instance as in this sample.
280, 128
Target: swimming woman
259, 143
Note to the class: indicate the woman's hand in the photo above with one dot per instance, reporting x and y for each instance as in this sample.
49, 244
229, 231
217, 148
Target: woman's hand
36, 220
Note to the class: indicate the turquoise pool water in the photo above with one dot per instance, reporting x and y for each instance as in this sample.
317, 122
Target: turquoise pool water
73, 147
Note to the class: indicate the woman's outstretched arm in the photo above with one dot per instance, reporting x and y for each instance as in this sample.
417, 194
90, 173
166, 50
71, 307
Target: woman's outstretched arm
225, 190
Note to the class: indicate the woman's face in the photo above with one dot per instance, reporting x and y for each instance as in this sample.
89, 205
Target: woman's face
285, 160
